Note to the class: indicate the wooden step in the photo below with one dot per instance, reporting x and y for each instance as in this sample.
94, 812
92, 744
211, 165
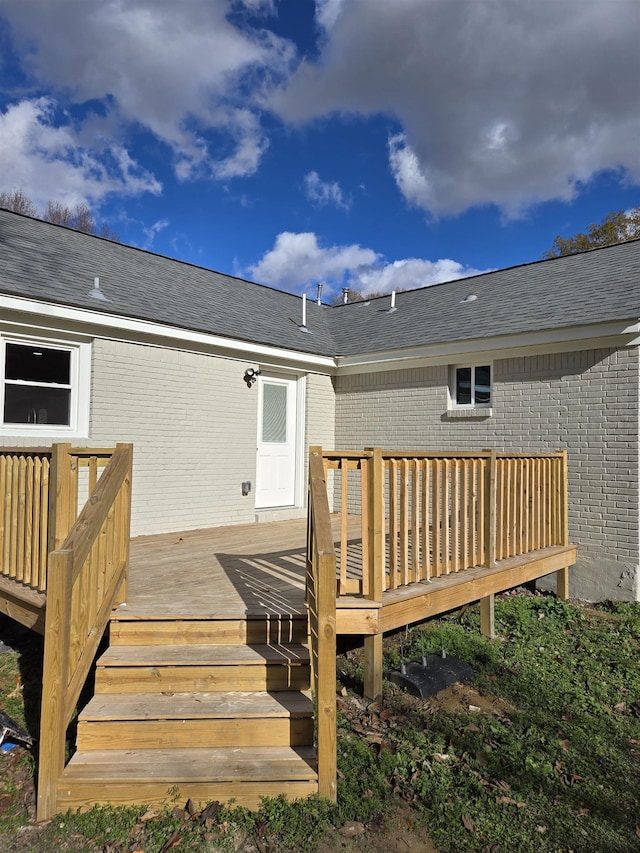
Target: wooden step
186, 668
163, 776
259, 629
152, 721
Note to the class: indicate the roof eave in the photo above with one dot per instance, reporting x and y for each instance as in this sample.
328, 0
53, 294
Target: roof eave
624, 332
115, 326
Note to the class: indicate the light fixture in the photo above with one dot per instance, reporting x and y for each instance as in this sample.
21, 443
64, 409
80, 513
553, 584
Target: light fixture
250, 375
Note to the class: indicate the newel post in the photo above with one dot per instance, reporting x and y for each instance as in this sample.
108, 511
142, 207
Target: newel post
562, 576
55, 679
62, 494
124, 521
376, 523
373, 643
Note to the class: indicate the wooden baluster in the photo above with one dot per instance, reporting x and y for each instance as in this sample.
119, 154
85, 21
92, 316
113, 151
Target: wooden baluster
415, 522
490, 509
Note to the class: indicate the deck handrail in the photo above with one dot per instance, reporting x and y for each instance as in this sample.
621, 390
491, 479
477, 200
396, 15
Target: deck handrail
424, 514
39, 489
87, 577
321, 603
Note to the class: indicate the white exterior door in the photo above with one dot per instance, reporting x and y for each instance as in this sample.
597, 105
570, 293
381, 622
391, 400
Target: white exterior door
277, 442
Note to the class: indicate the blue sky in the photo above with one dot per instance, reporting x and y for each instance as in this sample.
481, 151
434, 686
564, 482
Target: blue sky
377, 144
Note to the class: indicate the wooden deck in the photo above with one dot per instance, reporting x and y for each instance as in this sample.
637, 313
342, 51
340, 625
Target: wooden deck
237, 571
259, 569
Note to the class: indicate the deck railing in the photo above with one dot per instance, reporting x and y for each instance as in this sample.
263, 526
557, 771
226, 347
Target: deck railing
410, 517
425, 514
41, 490
87, 577
321, 603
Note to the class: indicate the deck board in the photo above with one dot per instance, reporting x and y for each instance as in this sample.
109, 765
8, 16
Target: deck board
251, 570
237, 571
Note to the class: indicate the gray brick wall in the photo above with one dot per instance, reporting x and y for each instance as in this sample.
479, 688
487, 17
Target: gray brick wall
586, 402
192, 421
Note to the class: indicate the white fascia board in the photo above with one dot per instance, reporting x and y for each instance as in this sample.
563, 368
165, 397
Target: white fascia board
115, 327
611, 334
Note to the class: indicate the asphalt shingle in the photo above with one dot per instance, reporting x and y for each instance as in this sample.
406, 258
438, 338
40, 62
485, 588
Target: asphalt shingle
55, 264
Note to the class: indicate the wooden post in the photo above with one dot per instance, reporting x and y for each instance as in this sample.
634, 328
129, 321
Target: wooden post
124, 523
490, 509
373, 666
61, 492
487, 620
326, 682
53, 721
376, 524
562, 576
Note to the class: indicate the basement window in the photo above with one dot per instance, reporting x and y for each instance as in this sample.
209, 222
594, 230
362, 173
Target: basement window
41, 388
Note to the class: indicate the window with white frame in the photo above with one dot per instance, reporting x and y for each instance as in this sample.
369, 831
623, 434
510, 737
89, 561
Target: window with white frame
471, 386
44, 387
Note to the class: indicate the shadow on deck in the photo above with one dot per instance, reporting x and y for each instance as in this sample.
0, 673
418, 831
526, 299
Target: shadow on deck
257, 569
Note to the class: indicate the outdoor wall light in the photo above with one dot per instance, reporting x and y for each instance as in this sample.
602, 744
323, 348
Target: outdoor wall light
250, 375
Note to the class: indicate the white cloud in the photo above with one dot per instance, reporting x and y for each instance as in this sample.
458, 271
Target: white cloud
410, 273
182, 73
298, 261
325, 192
150, 231
50, 162
508, 102
328, 12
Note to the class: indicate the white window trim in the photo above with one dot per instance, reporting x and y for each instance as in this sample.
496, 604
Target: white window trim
80, 388
472, 409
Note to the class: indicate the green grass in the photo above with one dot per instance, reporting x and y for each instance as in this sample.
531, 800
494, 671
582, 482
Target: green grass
551, 763
561, 769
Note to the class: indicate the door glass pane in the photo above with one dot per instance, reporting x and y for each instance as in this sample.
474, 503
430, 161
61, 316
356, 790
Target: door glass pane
274, 413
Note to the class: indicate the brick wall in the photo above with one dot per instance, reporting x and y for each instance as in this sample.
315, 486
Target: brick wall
192, 421
586, 402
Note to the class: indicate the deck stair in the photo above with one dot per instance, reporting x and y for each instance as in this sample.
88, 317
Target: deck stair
210, 709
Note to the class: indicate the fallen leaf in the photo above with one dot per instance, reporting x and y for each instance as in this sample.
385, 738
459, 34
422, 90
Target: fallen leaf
509, 801
541, 828
619, 707
468, 823
148, 815
564, 744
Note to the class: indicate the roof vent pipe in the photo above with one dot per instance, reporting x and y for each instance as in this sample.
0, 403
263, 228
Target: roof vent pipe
303, 325
393, 301
319, 294
96, 293
345, 295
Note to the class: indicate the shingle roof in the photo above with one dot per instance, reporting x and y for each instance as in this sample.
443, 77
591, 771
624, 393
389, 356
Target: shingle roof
594, 286
55, 264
